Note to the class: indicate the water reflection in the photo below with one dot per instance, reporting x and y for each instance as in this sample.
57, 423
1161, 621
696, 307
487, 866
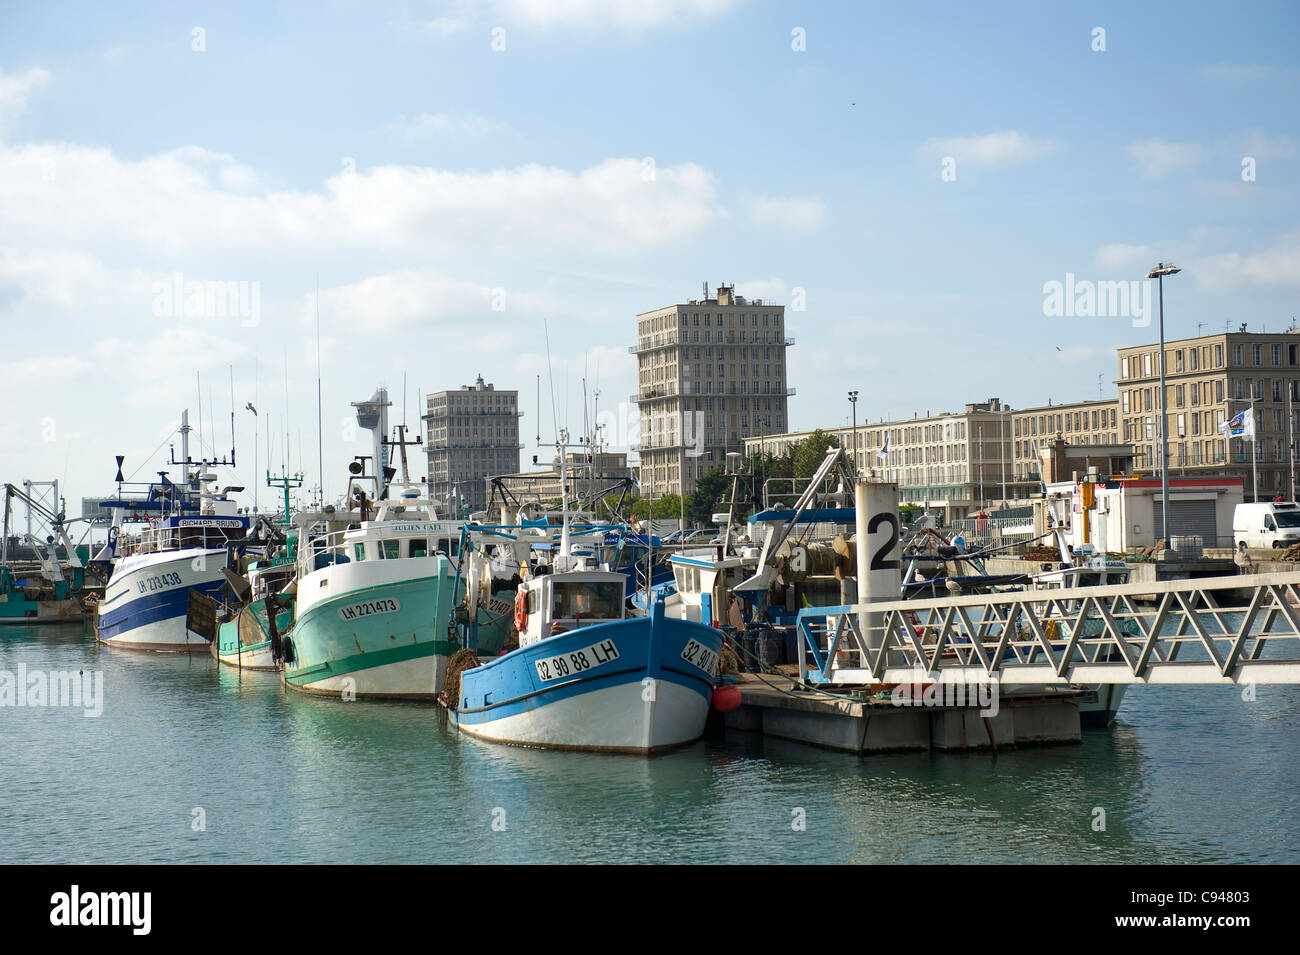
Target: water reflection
286, 777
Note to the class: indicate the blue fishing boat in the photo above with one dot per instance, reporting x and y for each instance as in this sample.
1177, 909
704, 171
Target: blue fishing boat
585, 676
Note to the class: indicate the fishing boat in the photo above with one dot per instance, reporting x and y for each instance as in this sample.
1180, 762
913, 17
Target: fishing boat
585, 676
43, 588
174, 570
177, 563
249, 637
373, 611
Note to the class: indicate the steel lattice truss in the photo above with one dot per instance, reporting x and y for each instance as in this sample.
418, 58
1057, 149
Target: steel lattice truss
1197, 631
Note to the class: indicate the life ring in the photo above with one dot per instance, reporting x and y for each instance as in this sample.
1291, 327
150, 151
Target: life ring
521, 609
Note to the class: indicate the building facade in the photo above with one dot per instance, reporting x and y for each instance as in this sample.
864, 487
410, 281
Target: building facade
1077, 423
710, 374
1207, 380
957, 462
470, 434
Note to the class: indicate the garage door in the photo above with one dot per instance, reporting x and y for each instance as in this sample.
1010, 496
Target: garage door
1188, 518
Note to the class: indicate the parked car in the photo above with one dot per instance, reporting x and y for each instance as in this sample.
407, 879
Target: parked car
1266, 525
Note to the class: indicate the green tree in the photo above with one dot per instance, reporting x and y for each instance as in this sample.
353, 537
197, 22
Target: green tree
711, 488
667, 507
807, 455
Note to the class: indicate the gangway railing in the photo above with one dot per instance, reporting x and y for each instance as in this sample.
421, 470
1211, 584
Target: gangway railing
1193, 632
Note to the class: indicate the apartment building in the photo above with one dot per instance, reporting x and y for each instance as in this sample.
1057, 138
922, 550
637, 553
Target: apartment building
957, 462
710, 373
1076, 423
1207, 380
470, 434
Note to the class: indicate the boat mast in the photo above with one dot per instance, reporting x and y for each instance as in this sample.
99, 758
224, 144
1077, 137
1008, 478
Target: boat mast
562, 446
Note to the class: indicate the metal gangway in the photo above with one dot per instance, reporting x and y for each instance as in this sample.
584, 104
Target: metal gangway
1206, 631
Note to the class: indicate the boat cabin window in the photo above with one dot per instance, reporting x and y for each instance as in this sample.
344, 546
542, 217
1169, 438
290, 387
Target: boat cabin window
390, 549
360, 550
209, 537
602, 601
418, 547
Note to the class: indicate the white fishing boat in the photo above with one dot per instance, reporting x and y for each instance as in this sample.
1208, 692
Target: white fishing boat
175, 563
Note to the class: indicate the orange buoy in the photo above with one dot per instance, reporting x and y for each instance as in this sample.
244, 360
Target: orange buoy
726, 698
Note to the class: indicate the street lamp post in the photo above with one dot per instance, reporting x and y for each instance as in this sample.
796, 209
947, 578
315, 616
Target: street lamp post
1158, 273
853, 400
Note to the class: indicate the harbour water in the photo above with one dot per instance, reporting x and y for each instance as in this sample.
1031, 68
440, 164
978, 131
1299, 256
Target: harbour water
1188, 775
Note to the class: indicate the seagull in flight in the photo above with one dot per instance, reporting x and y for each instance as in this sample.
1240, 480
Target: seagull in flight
250, 407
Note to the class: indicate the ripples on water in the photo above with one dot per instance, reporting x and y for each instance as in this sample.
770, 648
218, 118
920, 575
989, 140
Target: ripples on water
1188, 775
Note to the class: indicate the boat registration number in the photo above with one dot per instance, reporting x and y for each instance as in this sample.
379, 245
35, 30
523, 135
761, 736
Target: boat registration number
369, 608
579, 661
697, 654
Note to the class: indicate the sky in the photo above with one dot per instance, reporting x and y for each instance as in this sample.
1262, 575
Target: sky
498, 187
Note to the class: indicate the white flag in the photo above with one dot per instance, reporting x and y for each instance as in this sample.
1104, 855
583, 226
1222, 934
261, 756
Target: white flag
883, 453
1240, 426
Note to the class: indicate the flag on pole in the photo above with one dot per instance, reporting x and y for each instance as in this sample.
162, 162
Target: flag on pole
883, 453
1240, 426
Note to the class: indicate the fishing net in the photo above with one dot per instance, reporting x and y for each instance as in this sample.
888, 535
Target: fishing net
460, 661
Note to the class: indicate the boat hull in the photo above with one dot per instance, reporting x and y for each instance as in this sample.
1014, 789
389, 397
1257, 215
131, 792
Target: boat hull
372, 637
147, 599
65, 610
639, 693
1102, 712
245, 641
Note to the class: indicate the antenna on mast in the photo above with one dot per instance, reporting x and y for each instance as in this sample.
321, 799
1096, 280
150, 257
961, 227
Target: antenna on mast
320, 431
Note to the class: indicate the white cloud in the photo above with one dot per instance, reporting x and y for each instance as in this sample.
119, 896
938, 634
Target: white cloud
626, 14
1158, 156
1277, 267
788, 212
1007, 146
769, 290
15, 88
1124, 258
1262, 146
191, 199
445, 126
446, 25
415, 298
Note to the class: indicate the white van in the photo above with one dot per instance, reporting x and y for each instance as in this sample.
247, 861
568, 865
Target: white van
1266, 525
